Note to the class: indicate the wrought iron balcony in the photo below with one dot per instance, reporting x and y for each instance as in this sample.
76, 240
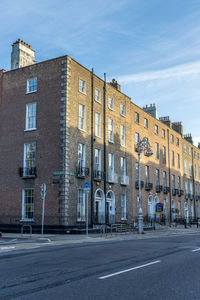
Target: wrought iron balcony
180, 192
186, 196
98, 175
173, 191
166, 189
148, 186
137, 184
82, 172
27, 172
197, 197
158, 188
191, 196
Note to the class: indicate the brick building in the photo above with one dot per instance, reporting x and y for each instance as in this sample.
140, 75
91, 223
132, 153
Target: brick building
62, 125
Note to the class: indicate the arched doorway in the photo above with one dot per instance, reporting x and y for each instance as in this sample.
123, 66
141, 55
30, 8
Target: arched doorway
99, 207
110, 207
151, 208
156, 200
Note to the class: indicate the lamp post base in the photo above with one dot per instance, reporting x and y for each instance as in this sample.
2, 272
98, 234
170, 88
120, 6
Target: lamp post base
140, 224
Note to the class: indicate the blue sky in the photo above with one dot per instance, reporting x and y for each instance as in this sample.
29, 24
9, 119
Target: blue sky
152, 47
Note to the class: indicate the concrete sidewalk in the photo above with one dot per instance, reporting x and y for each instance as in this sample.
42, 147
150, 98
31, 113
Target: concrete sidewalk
75, 238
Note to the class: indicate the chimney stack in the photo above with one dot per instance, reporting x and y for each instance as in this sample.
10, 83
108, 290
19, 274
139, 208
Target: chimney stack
115, 84
22, 55
151, 109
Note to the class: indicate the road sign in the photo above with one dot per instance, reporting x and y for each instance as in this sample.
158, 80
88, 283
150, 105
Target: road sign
159, 208
86, 185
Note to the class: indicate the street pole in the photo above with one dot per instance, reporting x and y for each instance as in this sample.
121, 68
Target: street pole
140, 217
143, 145
43, 203
43, 194
87, 214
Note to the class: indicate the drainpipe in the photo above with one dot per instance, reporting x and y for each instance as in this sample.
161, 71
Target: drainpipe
193, 183
170, 196
104, 139
92, 147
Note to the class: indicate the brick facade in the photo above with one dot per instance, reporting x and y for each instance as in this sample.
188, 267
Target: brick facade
58, 100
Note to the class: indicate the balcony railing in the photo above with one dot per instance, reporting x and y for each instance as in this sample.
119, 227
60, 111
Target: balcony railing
166, 189
186, 195
191, 196
148, 186
173, 191
197, 197
98, 175
137, 184
158, 188
82, 172
180, 192
27, 172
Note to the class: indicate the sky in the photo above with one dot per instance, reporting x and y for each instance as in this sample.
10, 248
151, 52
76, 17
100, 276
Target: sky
151, 47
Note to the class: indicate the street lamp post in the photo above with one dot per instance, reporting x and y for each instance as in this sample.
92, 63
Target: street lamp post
142, 145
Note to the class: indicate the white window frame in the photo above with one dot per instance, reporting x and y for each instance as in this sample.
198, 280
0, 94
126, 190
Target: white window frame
147, 174
110, 103
123, 135
24, 213
157, 150
178, 160
156, 129
111, 167
173, 162
186, 187
163, 133
123, 207
164, 179
110, 130
123, 169
31, 111
173, 182
81, 155
97, 128
80, 205
122, 110
137, 117
81, 117
185, 166
29, 157
157, 177
97, 160
164, 155
82, 86
146, 123
31, 86
190, 169
97, 95
179, 182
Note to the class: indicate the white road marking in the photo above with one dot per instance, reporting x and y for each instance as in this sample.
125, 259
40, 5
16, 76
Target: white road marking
7, 248
131, 269
198, 249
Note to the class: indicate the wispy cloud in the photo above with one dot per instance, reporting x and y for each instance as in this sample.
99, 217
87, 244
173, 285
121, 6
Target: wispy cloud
176, 71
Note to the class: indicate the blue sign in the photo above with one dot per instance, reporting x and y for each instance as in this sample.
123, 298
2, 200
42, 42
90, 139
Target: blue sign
86, 185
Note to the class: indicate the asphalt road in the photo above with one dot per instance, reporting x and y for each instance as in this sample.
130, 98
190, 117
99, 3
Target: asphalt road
163, 267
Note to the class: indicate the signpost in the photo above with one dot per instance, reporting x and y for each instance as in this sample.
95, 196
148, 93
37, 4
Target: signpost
159, 208
86, 190
43, 195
